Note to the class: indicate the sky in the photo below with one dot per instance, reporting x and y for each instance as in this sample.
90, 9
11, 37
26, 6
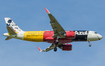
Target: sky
71, 14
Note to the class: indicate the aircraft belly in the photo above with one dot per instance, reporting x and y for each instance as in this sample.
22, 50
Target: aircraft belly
35, 36
60, 41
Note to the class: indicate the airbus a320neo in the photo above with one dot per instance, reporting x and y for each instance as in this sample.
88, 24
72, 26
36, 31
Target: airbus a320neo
58, 37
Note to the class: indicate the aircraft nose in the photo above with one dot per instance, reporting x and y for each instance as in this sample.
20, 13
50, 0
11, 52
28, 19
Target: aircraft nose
100, 37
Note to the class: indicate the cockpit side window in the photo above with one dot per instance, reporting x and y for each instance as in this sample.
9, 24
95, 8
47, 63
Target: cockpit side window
95, 32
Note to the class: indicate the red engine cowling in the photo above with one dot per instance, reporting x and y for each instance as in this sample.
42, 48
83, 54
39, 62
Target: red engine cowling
66, 47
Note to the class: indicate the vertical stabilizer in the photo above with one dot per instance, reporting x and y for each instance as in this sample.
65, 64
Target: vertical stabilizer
11, 26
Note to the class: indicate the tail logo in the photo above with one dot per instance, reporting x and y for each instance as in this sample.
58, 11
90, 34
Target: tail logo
9, 21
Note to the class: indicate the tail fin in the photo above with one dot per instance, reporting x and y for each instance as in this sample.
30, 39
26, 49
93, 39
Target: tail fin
11, 26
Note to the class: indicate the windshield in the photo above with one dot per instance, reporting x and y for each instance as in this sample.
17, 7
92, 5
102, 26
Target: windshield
95, 32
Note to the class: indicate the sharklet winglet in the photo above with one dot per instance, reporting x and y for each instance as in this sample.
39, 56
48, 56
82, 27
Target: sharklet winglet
39, 49
47, 11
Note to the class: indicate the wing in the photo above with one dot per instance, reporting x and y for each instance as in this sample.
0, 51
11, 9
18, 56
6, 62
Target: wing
59, 32
47, 49
51, 47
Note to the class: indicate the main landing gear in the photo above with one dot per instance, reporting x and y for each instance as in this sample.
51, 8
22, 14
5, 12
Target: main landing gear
55, 49
89, 44
57, 41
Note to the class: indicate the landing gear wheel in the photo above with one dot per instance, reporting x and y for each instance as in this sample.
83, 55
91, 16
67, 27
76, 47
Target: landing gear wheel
55, 49
57, 41
89, 45
56, 44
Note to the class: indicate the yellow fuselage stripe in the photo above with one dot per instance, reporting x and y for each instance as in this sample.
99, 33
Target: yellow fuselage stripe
35, 36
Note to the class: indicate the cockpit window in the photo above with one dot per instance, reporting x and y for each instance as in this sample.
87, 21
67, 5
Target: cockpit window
95, 32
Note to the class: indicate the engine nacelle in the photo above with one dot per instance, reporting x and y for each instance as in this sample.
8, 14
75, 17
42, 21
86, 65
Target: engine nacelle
66, 47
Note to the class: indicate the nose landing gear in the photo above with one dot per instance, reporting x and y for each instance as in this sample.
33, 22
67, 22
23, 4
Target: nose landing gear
89, 44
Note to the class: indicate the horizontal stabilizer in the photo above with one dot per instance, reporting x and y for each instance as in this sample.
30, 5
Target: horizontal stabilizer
8, 38
10, 30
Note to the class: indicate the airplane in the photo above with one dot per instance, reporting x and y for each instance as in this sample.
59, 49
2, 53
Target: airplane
58, 37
